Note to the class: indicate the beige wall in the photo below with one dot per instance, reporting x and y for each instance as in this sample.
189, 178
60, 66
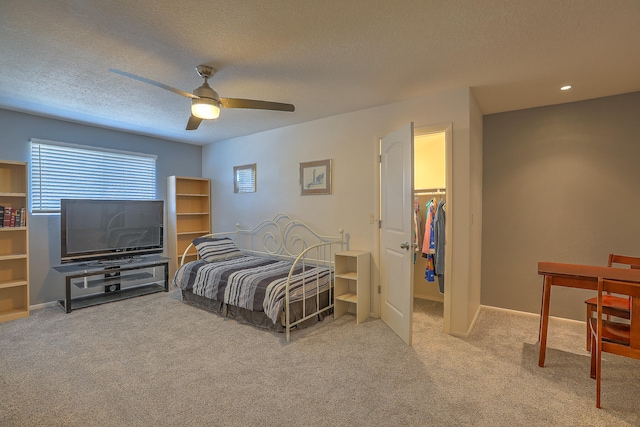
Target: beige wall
560, 184
465, 209
352, 141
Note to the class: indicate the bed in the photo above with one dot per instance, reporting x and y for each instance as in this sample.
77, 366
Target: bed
277, 275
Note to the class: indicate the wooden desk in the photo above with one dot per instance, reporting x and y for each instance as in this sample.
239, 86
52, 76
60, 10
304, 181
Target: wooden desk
573, 276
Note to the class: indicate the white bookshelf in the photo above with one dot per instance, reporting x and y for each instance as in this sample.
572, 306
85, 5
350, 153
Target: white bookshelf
352, 287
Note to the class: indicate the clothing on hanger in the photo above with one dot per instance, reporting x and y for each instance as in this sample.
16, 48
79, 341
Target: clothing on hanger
439, 242
428, 241
417, 234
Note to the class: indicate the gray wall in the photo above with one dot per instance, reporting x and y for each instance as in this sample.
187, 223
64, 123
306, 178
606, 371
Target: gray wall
560, 184
16, 129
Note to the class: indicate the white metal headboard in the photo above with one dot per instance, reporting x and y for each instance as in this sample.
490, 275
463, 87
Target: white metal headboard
281, 237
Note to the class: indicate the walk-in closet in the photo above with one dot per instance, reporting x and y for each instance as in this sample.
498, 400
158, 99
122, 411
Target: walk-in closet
430, 191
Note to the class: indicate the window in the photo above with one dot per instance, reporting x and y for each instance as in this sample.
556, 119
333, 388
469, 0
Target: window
68, 171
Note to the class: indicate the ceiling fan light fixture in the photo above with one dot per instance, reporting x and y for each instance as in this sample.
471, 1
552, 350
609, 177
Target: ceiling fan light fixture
205, 108
205, 102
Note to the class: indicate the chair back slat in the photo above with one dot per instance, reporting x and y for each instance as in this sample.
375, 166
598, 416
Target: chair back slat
635, 323
634, 262
620, 287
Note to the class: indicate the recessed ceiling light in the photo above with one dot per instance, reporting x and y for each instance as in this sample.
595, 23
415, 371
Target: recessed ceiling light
567, 87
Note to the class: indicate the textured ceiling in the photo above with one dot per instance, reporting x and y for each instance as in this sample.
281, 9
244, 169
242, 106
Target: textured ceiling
325, 56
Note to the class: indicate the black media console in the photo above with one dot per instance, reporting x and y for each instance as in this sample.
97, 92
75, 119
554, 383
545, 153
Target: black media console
99, 282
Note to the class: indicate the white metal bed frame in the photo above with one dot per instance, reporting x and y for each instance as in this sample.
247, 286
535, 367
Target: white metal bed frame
286, 238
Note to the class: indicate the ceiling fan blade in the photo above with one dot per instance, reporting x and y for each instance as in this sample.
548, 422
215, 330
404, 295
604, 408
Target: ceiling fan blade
193, 122
153, 82
256, 105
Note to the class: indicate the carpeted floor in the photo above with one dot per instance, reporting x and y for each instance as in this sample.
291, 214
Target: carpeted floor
156, 361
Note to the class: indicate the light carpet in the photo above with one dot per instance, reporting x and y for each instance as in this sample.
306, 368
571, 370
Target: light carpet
154, 360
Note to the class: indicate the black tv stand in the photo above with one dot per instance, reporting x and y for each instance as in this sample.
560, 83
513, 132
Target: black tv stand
113, 280
111, 262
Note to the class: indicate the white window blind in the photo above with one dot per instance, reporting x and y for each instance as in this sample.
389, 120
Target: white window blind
68, 171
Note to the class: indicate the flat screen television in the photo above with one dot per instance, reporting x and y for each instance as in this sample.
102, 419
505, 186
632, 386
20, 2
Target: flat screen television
110, 229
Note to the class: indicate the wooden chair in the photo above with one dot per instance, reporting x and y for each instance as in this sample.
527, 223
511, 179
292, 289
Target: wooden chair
622, 338
611, 305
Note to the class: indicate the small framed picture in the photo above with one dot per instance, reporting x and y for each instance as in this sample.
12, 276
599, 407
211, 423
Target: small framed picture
315, 177
244, 179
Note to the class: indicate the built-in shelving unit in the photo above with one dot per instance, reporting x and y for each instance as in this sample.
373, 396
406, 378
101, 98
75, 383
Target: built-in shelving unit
14, 243
189, 216
352, 287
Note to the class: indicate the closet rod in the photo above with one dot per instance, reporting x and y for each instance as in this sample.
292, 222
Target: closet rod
430, 191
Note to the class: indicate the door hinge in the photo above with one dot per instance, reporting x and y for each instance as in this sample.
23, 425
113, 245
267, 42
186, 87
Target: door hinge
379, 223
380, 158
379, 289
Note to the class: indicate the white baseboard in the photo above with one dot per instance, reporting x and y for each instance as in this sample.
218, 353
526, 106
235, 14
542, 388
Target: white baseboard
525, 313
471, 326
439, 298
43, 305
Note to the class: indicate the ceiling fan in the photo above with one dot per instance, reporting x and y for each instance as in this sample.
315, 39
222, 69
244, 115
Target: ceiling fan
205, 102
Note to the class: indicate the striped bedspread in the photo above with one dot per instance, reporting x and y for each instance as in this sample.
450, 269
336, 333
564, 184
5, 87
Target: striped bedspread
253, 283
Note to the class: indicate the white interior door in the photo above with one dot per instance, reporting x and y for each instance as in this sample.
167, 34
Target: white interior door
396, 238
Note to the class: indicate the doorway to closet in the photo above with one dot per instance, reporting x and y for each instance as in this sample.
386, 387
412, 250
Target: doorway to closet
432, 172
397, 231
429, 195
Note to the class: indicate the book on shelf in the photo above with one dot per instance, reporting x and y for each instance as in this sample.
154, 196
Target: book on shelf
13, 217
7, 216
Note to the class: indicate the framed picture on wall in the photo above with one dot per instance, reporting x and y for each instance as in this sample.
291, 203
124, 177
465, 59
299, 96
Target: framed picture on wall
315, 177
244, 179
